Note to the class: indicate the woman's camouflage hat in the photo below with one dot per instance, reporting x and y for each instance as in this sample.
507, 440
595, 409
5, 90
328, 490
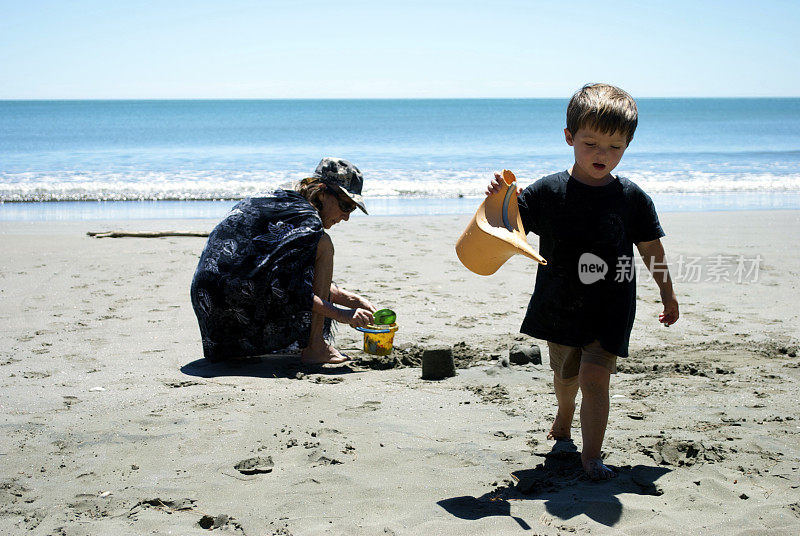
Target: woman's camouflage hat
341, 173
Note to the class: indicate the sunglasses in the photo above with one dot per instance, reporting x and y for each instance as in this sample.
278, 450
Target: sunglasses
346, 205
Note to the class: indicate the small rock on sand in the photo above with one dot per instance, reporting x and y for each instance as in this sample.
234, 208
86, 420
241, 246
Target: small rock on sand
522, 354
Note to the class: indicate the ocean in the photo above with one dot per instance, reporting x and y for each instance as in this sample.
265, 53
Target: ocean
121, 159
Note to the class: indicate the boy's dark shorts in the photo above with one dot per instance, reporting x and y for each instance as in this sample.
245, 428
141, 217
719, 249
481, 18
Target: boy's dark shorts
566, 360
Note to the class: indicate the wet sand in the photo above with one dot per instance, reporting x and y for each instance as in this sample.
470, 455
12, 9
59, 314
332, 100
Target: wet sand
114, 424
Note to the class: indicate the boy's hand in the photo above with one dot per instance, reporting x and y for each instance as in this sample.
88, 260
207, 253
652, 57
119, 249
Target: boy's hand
497, 185
670, 314
653, 256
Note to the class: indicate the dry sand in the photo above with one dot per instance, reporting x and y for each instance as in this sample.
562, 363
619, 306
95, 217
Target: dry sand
113, 424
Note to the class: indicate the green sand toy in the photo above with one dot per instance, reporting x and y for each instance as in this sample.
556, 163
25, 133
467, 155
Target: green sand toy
384, 317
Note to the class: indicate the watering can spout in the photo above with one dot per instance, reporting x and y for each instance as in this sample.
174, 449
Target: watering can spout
495, 232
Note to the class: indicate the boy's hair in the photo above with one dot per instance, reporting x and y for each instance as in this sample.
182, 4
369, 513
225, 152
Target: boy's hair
602, 107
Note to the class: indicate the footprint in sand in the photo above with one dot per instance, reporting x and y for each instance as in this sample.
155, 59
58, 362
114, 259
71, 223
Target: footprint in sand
327, 379
69, 400
11, 491
167, 504
253, 466
367, 407
176, 385
35, 375
318, 457
682, 452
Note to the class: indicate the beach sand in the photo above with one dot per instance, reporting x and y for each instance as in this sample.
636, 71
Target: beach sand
114, 424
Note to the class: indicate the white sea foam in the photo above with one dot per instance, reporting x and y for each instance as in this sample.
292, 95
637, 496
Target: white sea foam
436, 183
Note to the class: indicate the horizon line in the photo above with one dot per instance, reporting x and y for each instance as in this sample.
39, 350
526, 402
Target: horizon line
67, 99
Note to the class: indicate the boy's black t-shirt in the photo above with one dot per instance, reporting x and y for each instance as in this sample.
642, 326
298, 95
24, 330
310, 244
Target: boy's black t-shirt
581, 229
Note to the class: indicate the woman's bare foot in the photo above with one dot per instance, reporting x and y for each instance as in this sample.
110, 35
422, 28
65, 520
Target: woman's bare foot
322, 353
597, 470
561, 429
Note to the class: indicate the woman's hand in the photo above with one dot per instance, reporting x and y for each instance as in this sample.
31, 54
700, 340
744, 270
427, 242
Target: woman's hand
357, 318
364, 303
341, 296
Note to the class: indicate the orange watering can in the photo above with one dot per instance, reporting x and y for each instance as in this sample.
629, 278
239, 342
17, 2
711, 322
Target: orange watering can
495, 232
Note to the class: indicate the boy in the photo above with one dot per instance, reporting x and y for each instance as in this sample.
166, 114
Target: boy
584, 301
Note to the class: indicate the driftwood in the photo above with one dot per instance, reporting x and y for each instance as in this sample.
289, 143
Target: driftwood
144, 234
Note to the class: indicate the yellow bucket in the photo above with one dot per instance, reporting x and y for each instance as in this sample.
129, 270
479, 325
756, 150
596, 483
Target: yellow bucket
378, 339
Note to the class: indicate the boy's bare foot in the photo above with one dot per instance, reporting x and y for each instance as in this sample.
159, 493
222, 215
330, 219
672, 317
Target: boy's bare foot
319, 354
561, 429
597, 470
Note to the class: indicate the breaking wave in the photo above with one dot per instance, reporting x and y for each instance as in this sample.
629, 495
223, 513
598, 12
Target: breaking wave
389, 183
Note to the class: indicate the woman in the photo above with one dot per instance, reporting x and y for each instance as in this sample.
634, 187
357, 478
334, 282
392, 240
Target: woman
264, 280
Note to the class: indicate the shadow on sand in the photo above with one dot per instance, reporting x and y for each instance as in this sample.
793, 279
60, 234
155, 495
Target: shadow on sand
271, 366
567, 492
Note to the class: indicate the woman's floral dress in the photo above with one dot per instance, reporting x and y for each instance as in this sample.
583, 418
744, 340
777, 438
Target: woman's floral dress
252, 291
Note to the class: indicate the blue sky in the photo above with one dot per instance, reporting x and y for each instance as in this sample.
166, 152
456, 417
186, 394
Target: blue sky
404, 49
